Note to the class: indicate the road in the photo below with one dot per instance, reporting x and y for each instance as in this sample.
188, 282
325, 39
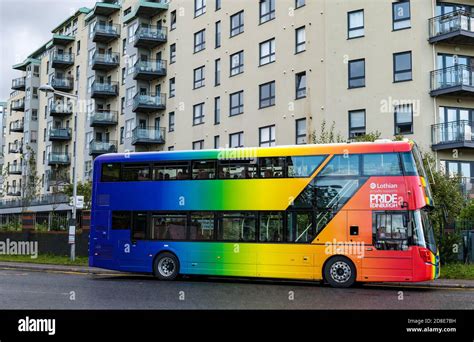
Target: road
40, 290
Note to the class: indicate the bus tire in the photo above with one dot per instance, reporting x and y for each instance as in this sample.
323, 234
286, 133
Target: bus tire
340, 271
166, 266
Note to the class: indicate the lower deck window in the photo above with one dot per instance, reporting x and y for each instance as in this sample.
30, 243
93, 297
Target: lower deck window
237, 227
202, 226
169, 227
391, 231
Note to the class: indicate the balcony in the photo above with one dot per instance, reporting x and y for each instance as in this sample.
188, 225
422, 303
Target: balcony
100, 147
58, 158
467, 187
60, 109
60, 134
455, 134
105, 62
57, 178
62, 60
149, 103
150, 37
17, 126
104, 90
149, 70
457, 80
452, 28
147, 136
104, 118
19, 83
14, 169
63, 83
14, 148
146, 9
13, 191
18, 105
105, 33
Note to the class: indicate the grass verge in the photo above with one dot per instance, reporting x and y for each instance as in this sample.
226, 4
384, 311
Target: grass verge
46, 259
457, 271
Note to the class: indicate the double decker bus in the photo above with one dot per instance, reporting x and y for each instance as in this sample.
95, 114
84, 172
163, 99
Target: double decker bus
338, 212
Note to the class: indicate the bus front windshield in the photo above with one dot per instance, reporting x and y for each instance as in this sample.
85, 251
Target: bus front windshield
423, 233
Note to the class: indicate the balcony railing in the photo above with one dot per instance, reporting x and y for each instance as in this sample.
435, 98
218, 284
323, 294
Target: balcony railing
149, 103
105, 33
63, 83
13, 191
18, 105
60, 108
38, 200
19, 83
456, 28
14, 148
14, 169
58, 158
104, 118
17, 126
104, 90
62, 60
455, 134
105, 61
149, 70
148, 135
101, 147
57, 178
456, 80
60, 134
150, 37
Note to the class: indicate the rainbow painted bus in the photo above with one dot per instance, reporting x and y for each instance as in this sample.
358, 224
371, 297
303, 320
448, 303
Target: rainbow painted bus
341, 213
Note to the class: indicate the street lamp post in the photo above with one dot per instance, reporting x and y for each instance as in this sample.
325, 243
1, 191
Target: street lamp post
72, 226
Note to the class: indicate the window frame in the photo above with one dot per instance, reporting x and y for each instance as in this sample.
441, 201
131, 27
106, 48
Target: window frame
297, 90
350, 29
199, 83
240, 67
297, 136
272, 43
349, 78
240, 27
202, 46
271, 99
271, 14
395, 124
241, 104
271, 141
350, 122
395, 71
298, 44
198, 120
394, 21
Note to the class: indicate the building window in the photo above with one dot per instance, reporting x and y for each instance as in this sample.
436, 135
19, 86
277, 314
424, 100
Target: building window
171, 122
300, 39
122, 105
199, 7
267, 136
172, 87
301, 132
356, 123
357, 73
299, 3
267, 95
267, 52
200, 40
34, 115
301, 85
218, 34
218, 5
217, 110
237, 63
355, 24
402, 67
130, 92
198, 145
128, 128
124, 75
172, 53
401, 15
236, 103
237, 24
198, 114
199, 78
173, 20
403, 119
217, 142
170, 148
124, 46
267, 10
122, 131
217, 72
236, 140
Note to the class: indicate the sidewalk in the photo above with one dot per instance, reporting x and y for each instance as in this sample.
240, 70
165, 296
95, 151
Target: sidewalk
439, 283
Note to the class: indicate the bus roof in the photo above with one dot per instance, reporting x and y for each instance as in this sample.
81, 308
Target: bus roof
254, 152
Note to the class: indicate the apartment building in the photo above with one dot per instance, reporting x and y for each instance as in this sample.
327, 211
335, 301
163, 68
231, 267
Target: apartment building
201, 74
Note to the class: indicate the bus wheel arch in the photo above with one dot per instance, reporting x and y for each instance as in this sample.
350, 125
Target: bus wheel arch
339, 271
166, 265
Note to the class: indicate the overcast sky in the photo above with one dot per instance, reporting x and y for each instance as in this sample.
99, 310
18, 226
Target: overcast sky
25, 25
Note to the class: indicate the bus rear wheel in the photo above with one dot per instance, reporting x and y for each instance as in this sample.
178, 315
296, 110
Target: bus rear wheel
339, 271
166, 266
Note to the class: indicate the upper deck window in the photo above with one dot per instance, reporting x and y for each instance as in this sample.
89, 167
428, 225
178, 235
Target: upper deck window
382, 164
110, 172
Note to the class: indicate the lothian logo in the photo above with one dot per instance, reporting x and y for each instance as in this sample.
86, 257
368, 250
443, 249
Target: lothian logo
374, 186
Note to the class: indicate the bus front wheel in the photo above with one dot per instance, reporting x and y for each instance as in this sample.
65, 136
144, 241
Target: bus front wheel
339, 271
166, 266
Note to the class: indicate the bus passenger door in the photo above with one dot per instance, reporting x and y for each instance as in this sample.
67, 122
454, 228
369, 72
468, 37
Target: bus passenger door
132, 244
390, 257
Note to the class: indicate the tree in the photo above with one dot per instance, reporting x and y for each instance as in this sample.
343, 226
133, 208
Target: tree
83, 189
325, 136
32, 183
